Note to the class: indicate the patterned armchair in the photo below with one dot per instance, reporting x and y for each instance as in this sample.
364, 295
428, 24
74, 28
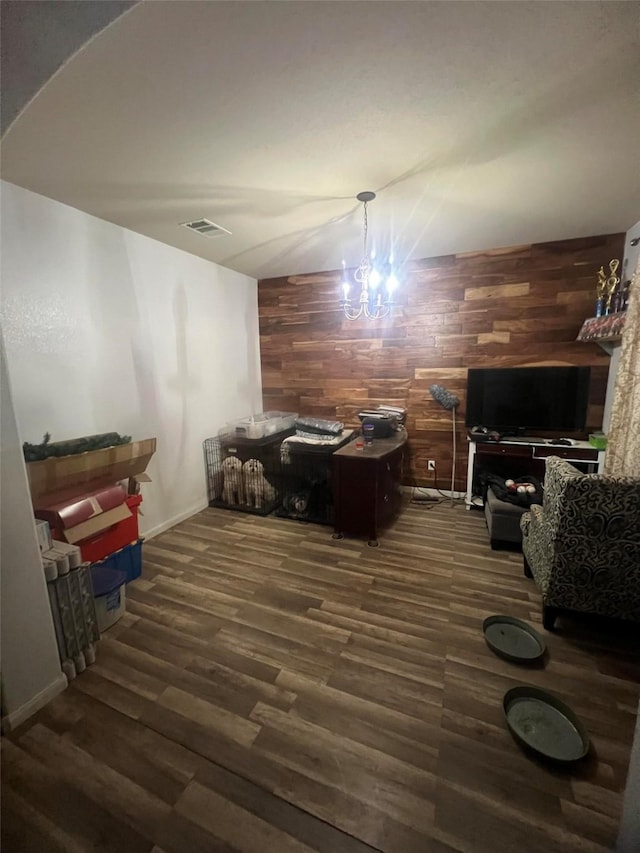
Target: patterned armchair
582, 546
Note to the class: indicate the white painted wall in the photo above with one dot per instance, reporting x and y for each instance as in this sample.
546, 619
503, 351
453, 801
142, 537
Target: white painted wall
31, 672
108, 330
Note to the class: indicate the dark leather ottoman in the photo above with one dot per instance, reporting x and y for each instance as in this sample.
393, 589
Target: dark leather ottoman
503, 522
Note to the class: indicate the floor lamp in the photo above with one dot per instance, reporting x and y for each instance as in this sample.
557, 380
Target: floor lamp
448, 401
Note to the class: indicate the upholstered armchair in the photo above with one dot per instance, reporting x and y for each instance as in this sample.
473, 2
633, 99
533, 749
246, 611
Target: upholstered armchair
582, 546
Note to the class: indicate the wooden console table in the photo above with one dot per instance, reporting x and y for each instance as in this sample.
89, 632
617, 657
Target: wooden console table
518, 457
366, 486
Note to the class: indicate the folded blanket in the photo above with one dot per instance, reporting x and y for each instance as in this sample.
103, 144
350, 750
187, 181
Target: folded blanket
312, 441
321, 437
319, 426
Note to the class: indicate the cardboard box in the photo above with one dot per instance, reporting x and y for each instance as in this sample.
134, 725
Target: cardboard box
44, 534
114, 538
59, 479
86, 515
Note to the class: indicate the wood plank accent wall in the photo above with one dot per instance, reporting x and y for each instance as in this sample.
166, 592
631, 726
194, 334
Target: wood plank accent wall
518, 306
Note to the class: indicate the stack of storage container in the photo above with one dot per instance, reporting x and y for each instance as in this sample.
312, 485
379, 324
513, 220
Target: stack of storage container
89, 511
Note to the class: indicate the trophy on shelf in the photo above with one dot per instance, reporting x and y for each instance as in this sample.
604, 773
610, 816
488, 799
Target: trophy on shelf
606, 288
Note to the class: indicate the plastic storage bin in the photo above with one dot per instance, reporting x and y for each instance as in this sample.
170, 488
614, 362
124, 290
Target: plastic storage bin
127, 560
284, 420
261, 425
109, 595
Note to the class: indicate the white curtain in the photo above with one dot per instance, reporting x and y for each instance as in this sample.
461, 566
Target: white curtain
623, 446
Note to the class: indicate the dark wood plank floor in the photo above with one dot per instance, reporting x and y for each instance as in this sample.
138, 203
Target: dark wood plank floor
273, 689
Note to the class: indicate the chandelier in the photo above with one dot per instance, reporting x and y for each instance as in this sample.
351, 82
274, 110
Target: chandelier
370, 278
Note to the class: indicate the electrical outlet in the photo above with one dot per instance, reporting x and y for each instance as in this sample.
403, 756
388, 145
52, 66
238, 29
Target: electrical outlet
431, 465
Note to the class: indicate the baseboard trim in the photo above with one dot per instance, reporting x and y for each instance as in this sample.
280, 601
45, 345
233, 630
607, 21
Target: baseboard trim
160, 528
16, 718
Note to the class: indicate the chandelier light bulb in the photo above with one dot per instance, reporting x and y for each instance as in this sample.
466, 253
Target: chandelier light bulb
374, 278
345, 283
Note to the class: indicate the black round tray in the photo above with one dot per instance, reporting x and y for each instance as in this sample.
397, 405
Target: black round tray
513, 639
542, 723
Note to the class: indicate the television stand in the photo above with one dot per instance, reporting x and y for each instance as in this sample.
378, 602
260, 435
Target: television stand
521, 456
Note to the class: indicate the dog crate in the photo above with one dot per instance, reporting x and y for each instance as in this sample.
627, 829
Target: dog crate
244, 473
307, 492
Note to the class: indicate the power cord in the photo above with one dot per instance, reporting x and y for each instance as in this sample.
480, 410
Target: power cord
427, 500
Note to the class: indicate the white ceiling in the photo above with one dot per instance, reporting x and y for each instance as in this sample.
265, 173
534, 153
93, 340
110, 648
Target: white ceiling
479, 124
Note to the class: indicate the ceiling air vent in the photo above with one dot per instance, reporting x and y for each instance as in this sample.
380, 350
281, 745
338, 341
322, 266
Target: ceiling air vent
205, 227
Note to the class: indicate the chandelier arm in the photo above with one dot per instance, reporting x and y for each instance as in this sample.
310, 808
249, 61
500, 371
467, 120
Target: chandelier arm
379, 312
350, 314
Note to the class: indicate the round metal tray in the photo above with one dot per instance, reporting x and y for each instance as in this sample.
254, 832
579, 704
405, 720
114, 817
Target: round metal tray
513, 639
544, 724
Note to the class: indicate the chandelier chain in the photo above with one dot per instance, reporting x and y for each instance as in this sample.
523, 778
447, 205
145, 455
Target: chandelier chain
366, 231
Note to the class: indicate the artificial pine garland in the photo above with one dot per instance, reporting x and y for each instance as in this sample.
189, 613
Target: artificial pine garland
36, 452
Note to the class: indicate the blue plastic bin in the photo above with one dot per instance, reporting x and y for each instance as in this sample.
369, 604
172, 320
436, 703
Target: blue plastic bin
127, 560
109, 595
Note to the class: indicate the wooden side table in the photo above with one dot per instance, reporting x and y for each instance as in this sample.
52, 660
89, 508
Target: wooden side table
366, 486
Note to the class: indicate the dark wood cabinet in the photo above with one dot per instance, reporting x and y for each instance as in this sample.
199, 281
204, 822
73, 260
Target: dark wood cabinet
366, 486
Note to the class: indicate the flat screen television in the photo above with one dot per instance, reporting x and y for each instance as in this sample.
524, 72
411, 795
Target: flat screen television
515, 400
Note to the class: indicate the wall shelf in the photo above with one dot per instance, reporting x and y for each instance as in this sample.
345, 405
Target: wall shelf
606, 331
